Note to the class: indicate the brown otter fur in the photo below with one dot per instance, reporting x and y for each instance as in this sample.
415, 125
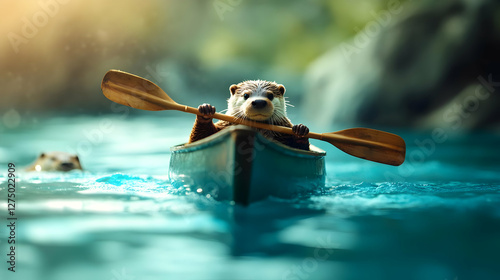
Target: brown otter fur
260, 101
55, 161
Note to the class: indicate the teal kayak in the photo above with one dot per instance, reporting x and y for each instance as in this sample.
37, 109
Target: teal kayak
239, 164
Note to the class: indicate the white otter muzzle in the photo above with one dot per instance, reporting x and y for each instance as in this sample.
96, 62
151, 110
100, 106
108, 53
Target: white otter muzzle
258, 109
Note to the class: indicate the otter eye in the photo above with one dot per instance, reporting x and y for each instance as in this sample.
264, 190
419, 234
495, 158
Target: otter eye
246, 96
270, 96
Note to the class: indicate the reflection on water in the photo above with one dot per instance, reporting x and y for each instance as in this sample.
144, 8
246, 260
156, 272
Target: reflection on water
121, 218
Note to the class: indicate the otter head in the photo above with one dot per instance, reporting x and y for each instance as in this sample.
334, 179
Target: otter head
257, 100
57, 161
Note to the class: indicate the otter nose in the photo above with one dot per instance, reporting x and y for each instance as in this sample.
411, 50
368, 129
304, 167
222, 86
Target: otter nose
259, 104
67, 164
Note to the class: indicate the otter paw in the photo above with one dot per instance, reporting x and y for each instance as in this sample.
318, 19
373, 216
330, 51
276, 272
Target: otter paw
207, 110
300, 130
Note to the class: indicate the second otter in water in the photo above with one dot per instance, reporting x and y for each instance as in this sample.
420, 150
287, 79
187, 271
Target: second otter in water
55, 161
260, 101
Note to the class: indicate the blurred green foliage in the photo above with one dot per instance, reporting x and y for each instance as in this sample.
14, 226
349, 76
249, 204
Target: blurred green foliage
187, 47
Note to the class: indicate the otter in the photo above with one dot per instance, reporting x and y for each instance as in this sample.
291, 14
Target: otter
55, 161
256, 100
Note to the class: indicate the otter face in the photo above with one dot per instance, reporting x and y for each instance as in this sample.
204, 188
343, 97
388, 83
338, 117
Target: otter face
57, 161
257, 100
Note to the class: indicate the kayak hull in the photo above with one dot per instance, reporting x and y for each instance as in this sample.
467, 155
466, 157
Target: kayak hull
241, 165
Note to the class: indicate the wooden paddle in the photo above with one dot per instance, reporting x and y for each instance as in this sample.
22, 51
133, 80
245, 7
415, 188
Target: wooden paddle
136, 92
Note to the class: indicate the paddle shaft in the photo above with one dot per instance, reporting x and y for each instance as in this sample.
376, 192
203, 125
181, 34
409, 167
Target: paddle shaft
281, 129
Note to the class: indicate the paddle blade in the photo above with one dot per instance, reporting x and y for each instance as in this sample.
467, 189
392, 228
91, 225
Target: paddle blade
133, 91
370, 144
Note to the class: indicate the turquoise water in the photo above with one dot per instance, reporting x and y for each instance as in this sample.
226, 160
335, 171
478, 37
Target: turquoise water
435, 217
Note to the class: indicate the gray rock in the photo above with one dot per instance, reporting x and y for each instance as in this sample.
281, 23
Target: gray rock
410, 66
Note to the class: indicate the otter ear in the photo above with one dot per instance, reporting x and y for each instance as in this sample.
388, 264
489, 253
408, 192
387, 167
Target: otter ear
42, 155
76, 158
233, 89
281, 89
